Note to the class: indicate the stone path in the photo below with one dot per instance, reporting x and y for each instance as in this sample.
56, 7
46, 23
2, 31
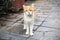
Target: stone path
49, 28
46, 25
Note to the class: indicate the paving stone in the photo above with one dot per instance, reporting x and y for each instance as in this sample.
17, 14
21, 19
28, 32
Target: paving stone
7, 23
42, 16
45, 29
12, 26
14, 20
45, 13
35, 27
9, 36
37, 23
52, 36
49, 33
13, 33
53, 33
49, 23
16, 28
18, 38
31, 39
56, 16
40, 19
52, 23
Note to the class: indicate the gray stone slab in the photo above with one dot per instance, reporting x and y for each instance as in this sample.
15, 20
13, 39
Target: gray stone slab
9, 36
37, 23
31, 39
39, 19
52, 36
10, 16
42, 16
52, 23
49, 33
6, 23
35, 27
54, 16
39, 13
14, 20
45, 29
18, 29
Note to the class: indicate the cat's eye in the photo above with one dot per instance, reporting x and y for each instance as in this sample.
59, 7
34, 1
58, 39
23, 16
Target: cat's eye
25, 10
30, 10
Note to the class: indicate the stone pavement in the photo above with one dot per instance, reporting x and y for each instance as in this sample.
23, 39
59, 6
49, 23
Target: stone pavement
46, 25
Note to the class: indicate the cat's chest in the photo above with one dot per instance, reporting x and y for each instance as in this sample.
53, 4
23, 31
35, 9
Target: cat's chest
28, 17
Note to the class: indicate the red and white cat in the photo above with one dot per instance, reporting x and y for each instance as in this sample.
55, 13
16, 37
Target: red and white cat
29, 17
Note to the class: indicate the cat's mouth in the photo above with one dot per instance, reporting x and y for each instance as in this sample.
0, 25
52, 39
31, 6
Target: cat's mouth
30, 15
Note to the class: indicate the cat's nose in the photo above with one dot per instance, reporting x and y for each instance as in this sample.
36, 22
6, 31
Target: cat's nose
29, 14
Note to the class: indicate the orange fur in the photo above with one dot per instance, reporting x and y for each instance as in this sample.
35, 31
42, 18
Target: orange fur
28, 8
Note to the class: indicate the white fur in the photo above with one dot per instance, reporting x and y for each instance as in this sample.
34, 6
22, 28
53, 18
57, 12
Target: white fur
28, 23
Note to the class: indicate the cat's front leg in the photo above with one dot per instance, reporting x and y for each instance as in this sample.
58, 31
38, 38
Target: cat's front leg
31, 29
25, 25
27, 31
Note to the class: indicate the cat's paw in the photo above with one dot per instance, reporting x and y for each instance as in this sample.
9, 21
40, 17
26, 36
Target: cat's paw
31, 34
27, 32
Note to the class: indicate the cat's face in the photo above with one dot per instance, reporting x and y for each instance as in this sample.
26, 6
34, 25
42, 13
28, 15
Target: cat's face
28, 10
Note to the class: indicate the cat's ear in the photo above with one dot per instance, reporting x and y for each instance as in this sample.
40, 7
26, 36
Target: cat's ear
24, 6
32, 5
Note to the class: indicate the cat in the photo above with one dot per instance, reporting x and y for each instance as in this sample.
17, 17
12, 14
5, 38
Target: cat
29, 17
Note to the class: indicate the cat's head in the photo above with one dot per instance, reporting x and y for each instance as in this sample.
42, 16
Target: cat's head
29, 10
